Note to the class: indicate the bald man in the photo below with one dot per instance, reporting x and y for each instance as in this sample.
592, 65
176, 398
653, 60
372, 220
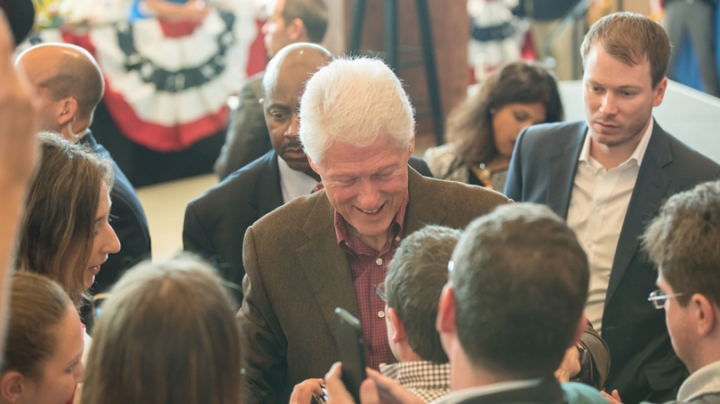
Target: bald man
215, 223
70, 84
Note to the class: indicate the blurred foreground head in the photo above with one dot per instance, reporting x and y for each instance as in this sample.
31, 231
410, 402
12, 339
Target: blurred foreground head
167, 334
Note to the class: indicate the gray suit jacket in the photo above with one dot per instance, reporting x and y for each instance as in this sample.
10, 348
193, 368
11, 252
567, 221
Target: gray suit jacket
247, 137
297, 275
542, 170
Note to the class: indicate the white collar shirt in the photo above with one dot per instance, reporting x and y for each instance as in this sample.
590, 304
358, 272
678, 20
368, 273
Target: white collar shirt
705, 380
294, 183
464, 394
598, 204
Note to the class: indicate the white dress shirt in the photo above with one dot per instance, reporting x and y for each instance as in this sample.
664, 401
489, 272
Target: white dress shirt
598, 204
294, 183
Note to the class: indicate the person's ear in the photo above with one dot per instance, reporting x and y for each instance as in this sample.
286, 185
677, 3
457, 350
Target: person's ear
445, 323
399, 334
68, 110
412, 148
704, 312
660, 92
296, 31
313, 166
12, 386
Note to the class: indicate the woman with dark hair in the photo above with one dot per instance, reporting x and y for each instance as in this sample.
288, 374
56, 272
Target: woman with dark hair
66, 234
167, 335
482, 131
42, 359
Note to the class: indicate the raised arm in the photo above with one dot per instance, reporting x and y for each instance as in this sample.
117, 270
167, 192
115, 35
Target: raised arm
18, 156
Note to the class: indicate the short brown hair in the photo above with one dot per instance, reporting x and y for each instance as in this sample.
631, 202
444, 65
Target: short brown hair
415, 279
37, 306
76, 77
684, 242
313, 14
58, 226
470, 124
520, 279
167, 334
631, 38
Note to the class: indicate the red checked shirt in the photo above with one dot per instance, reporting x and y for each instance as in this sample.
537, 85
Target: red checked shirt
368, 268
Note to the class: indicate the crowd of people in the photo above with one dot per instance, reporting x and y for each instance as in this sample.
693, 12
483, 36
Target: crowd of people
522, 262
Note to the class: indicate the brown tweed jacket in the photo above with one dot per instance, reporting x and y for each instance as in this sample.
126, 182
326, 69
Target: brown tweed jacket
297, 275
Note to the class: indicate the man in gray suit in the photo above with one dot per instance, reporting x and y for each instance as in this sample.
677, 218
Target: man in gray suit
328, 249
290, 21
607, 177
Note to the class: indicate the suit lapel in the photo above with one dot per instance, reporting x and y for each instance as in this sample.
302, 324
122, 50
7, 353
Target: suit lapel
421, 204
325, 265
560, 178
650, 190
268, 191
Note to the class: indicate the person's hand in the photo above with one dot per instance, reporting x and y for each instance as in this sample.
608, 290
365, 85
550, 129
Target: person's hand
390, 391
18, 119
612, 399
302, 392
570, 365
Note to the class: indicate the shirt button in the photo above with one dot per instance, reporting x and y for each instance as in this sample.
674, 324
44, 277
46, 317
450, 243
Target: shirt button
378, 261
381, 314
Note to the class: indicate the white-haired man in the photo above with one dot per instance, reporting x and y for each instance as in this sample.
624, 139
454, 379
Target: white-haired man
328, 249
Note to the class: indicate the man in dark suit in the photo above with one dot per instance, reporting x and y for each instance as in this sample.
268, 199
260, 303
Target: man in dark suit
513, 304
70, 85
328, 249
607, 177
290, 21
215, 223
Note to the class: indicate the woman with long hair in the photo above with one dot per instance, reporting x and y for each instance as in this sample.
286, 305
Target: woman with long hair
481, 132
42, 358
66, 234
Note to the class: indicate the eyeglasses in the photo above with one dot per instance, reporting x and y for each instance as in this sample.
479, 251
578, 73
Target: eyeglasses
380, 290
658, 298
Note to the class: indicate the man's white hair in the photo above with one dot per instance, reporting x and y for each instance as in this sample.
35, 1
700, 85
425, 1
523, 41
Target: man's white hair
353, 101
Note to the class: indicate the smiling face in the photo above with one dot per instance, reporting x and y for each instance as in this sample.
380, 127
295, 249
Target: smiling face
105, 241
510, 120
62, 372
366, 185
619, 99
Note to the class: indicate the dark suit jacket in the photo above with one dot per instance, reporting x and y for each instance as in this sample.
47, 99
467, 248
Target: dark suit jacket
542, 170
215, 222
297, 275
247, 137
127, 219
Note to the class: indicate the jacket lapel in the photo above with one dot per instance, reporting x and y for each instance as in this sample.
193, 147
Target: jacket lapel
325, 265
268, 198
419, 205
561, 169
650, 190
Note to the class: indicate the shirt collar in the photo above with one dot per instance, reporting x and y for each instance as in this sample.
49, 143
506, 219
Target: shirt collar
462, 395
703, 381
637, 155
294, 183
342, 233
